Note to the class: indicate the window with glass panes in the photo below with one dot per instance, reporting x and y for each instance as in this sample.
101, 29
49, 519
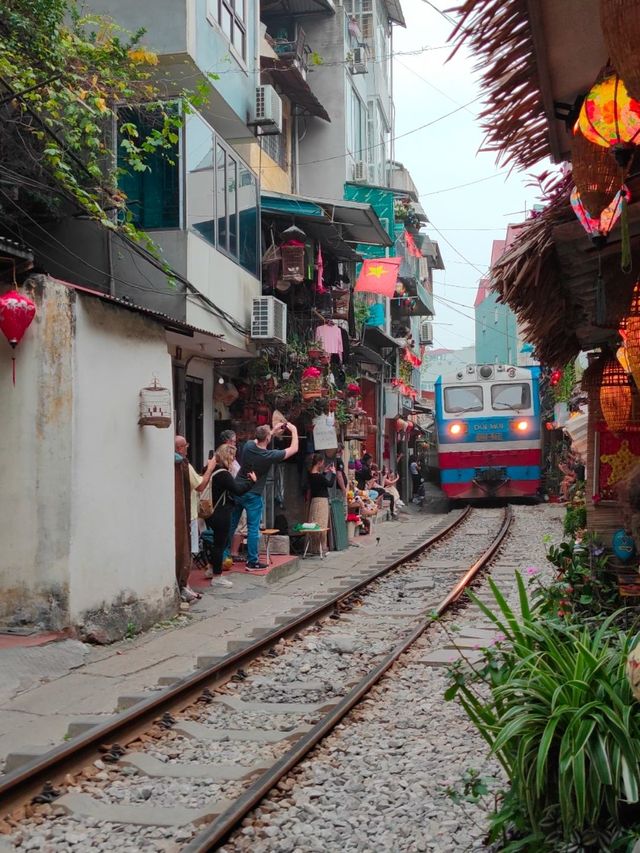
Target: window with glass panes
231, 16
219, 192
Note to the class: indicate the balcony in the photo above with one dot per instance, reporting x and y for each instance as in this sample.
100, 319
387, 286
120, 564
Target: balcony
294, 52
287, 71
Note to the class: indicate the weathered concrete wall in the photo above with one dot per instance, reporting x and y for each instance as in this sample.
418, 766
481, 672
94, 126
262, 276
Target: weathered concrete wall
35, 472
121, 565
86, 526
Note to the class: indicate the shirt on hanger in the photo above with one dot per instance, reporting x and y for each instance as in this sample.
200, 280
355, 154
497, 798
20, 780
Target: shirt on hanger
331, 338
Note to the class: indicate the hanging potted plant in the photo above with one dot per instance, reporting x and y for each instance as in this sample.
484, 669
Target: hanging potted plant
315, 352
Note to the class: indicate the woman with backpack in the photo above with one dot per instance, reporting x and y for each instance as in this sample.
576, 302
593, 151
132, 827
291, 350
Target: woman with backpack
223, 489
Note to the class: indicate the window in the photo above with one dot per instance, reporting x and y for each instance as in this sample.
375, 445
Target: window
153, 196
356, 125
248, 218
463, 398
221, 198
219, 193
231, 16
199, 142
514, 396
275, 145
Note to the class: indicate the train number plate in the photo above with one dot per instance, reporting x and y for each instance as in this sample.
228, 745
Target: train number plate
489, 436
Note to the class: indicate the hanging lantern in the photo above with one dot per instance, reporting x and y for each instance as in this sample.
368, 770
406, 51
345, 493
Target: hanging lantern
620, 22
155, 406
615, 396
595, 174
16, 315
592, 376
555, 377
598, 227
631, 334
623, 358
610, 118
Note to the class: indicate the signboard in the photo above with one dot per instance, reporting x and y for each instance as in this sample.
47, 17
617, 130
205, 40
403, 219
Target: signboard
324, 433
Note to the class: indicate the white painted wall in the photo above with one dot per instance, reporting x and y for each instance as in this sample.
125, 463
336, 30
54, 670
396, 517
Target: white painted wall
122, 535
35, 454
226, 283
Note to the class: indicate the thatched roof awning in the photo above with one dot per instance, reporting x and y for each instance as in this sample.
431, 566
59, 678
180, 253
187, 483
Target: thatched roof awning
548, 277
499, 33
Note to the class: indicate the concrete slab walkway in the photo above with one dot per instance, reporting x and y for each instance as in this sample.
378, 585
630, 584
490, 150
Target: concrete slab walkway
46, 688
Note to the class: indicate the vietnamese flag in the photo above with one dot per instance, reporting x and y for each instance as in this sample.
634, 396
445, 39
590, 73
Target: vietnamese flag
379, 275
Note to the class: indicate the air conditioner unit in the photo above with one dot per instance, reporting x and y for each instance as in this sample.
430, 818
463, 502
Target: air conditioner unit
360, 171
269, 320
426, 332
268, 109
359, 61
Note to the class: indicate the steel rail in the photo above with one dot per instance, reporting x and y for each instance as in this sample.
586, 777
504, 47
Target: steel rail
220, 828
28, 780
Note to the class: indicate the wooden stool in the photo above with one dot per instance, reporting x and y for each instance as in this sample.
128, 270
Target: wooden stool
268, 533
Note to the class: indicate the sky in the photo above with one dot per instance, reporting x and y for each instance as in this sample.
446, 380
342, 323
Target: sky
463, 221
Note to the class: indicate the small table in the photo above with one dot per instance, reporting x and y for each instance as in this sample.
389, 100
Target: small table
268, 533
309, 534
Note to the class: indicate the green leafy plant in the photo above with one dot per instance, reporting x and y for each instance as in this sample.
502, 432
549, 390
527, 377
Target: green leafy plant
560, 717
132, 630
72, 73
584, 586
575, 519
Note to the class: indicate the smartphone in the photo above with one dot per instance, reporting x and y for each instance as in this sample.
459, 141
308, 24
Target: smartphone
211, 452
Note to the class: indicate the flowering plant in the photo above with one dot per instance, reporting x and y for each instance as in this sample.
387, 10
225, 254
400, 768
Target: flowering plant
311, 372
353, 389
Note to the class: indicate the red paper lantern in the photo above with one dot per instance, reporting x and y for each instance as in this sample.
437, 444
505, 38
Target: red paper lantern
16, 314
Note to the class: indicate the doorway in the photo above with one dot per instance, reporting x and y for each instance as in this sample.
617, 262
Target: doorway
194, 414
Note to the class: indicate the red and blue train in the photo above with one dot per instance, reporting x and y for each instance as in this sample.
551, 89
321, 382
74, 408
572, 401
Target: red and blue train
489, 432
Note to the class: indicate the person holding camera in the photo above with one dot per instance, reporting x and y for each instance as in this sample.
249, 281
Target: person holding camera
258, 460
321, 478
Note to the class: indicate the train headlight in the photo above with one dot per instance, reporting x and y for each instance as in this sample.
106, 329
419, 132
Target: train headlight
522, 426
456, 429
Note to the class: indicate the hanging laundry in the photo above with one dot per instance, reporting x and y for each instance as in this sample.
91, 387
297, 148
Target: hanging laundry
320, 288
330, 336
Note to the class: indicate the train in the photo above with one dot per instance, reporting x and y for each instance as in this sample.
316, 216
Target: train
489, 435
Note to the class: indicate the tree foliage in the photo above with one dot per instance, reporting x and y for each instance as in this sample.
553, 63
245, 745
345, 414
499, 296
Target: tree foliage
63, 75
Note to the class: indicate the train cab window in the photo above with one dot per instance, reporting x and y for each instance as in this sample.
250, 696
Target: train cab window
514, 396
463, 398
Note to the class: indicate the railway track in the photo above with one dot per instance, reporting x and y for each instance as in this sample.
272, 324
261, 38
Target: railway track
217, 754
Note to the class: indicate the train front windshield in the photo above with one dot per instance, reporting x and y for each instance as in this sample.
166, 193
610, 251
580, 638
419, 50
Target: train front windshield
515, 396
463, 398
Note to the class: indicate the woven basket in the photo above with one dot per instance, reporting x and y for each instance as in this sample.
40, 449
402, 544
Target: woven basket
341, 299
632, 334
311, 387
615, 395
357, 429
292, 263
595, 173
620, 22
592, 376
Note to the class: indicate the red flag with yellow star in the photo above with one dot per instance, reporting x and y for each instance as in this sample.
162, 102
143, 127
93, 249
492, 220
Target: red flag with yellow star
379, 275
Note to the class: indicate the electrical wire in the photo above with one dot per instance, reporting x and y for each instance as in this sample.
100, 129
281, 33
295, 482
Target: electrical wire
392, 139
52, 242
462, 186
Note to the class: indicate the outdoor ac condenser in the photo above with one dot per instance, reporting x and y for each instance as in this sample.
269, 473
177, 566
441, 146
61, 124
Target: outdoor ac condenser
360, 171
359, 62
268, 109
269, 320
